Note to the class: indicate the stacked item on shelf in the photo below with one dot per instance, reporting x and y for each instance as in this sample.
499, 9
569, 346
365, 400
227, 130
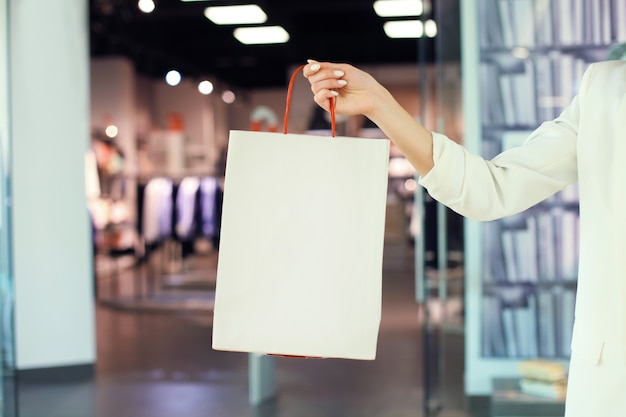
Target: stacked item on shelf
543, 378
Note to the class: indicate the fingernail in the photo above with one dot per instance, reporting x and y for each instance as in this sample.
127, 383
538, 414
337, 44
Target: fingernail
342, 82
338, 73
314, 67
334, 93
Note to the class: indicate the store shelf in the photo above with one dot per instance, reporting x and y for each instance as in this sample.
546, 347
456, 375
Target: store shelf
521, 68
507, 400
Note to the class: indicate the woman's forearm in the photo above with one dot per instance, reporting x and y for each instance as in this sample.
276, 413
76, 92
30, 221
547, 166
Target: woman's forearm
413, 139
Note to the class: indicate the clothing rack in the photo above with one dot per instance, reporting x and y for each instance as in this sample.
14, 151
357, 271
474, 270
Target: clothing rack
188, 208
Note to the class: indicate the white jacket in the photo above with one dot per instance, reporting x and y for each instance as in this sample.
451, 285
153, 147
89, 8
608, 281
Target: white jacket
586, 143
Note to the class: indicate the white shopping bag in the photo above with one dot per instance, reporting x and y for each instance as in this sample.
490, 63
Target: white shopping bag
300, 257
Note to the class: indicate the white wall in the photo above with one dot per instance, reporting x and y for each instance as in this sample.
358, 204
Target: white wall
183, 98
198, 113
50, 131
145, 105
113, 96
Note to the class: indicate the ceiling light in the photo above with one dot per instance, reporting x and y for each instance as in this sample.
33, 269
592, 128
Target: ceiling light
146, 6
261, 35
111, 131
389, 8
205, 87
430, 28
173, 78
228, 97
235, 15
404, 29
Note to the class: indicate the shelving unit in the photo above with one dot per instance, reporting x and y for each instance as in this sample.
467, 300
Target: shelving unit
522, 63
508, 400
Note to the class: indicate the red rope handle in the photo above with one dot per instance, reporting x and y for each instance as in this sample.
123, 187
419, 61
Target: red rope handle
333, 123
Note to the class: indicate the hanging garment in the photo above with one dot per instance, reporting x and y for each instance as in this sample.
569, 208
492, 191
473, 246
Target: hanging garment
157, 210
208, 190
186, 208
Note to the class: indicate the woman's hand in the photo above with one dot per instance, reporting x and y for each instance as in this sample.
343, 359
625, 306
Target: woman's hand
355, 91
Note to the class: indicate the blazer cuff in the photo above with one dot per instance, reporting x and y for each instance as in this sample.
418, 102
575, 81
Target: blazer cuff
444, 181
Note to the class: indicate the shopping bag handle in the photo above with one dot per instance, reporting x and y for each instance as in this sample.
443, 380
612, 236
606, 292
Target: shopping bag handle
333, 122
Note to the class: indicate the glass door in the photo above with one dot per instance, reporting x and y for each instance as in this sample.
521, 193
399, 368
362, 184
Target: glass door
7, 356
523, 61
439, 255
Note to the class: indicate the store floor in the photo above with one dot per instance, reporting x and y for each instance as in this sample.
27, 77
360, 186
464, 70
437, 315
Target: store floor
159, 363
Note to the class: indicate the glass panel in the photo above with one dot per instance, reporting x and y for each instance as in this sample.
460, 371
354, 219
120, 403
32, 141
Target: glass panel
529, 279
443, 278
7, 356
523, 62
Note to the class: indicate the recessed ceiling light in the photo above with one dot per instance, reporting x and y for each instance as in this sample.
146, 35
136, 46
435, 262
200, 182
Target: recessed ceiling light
236, 15
173, 77
430, 28
205, 87
261, 35
389, 8
228, 97
146, 6
111, 131
404, 29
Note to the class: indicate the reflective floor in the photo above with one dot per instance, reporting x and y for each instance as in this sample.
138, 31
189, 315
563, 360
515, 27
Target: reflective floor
159, 363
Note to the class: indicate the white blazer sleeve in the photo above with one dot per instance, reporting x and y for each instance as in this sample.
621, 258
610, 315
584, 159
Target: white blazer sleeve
515, 179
